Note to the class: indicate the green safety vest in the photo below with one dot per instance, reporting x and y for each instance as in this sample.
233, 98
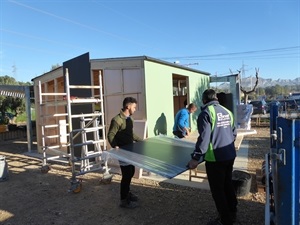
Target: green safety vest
209, 155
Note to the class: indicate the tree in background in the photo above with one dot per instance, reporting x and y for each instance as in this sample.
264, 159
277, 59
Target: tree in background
7, 80
53, 67
245, 92
260, 91
14, 105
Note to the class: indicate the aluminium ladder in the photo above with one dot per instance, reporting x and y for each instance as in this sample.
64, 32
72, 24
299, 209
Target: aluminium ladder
90, 160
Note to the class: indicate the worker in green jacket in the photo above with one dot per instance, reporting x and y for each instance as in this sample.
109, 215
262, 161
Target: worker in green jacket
215, 145
121, 133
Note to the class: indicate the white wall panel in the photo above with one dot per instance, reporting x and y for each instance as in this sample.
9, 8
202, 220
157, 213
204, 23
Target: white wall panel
113, 82
133, 81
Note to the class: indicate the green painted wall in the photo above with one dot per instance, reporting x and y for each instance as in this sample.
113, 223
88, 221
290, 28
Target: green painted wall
159, 95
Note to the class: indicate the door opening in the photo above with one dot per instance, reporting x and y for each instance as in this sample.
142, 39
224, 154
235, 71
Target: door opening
180, 92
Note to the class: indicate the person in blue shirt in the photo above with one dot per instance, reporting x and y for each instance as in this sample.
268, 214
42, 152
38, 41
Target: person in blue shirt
181, 126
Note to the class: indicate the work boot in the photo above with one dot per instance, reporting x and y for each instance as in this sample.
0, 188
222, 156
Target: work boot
132, 197
233, 216
125, 203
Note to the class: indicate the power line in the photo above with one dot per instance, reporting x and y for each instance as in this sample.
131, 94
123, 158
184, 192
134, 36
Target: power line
80, 24
280, 51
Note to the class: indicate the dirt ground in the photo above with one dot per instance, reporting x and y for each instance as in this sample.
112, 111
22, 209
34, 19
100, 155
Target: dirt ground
30, 197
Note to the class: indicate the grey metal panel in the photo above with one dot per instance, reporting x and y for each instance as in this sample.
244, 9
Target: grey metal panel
79, 74
162, 155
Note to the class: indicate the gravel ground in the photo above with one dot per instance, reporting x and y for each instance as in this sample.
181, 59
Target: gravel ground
30, 197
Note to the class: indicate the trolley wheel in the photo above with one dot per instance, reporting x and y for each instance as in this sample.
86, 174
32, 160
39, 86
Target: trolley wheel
45, 169
106, 179
77, 189
76, 186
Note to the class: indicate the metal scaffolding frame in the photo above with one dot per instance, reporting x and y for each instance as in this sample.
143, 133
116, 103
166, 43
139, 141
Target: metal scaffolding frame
91, 149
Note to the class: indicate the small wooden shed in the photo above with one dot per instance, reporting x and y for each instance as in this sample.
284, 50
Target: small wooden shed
161, 89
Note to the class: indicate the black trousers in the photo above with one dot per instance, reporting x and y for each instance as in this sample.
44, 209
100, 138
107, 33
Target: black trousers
178, 133
127, 174
219, 176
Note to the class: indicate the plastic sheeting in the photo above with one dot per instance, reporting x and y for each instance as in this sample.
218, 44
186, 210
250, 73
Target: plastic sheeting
162, 155
244, 113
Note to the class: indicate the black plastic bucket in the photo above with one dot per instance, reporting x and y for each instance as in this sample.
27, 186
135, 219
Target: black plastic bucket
241, 182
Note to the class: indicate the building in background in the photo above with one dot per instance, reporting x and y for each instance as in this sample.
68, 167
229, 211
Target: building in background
160, 87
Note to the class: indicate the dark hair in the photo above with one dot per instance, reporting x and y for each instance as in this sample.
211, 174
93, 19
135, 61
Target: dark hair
185, 103
209, 95
191, 106
127, 101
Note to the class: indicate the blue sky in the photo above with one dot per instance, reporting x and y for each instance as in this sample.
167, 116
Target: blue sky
215, 36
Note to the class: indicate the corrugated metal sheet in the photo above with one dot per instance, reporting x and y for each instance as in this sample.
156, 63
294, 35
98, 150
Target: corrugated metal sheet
12, 94
16, 91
